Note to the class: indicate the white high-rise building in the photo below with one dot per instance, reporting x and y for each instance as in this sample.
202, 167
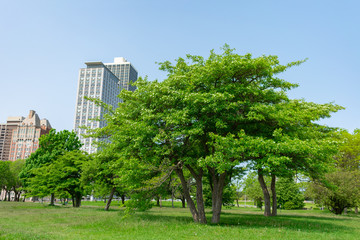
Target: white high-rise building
103, 81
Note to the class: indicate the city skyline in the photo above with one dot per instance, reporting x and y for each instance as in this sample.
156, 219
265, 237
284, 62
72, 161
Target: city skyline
45, 43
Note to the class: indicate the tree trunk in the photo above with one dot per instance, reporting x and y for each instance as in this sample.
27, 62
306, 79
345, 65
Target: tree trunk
110, 199
218, 187
183, 201
273, 192
200, 201
73, 200
199, 193
15, 195
267, 211
356, 210
18, 196
172, 198
337, 210
9, 199
123, 199
52, 199
237, 202
160, 200
78, 197
187, 196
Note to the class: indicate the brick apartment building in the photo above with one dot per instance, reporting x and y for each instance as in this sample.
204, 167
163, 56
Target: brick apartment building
19, 136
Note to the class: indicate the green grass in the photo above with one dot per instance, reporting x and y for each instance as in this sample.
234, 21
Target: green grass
38, 221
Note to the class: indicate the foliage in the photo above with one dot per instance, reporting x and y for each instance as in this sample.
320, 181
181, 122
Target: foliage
349, 151
288, 194
138, 202
101, 173
341, 190
252, 189
15, 169
62, 177
5, 174
66, 173
52, 146
9, 177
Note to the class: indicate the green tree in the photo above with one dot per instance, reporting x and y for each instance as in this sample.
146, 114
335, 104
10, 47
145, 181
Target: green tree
349, 151
15, 182
210, 115
215, 99
9, 178
292, 142
66, 172
5, 178
100, 174
349, 157
64, 175
340, 190
52, 145
288, 194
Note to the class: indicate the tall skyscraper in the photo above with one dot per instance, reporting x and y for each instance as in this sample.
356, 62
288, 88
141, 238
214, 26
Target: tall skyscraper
103, 81
124, 71
19, 137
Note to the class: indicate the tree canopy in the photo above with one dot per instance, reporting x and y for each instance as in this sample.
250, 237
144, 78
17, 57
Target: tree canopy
36, 176
212, 114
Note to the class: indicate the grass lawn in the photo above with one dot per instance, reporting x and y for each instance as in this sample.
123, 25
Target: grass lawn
38, 221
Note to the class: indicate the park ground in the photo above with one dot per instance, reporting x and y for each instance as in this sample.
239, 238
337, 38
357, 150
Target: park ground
19, 220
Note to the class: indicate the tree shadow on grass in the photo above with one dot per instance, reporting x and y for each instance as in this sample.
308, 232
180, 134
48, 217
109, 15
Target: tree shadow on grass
291, 222
299, 216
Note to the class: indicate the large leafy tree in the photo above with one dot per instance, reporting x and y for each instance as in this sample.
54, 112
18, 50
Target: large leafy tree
52, 145
238, 110
210, 115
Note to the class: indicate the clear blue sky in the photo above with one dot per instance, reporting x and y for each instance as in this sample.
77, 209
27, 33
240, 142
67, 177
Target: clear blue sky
44, 43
